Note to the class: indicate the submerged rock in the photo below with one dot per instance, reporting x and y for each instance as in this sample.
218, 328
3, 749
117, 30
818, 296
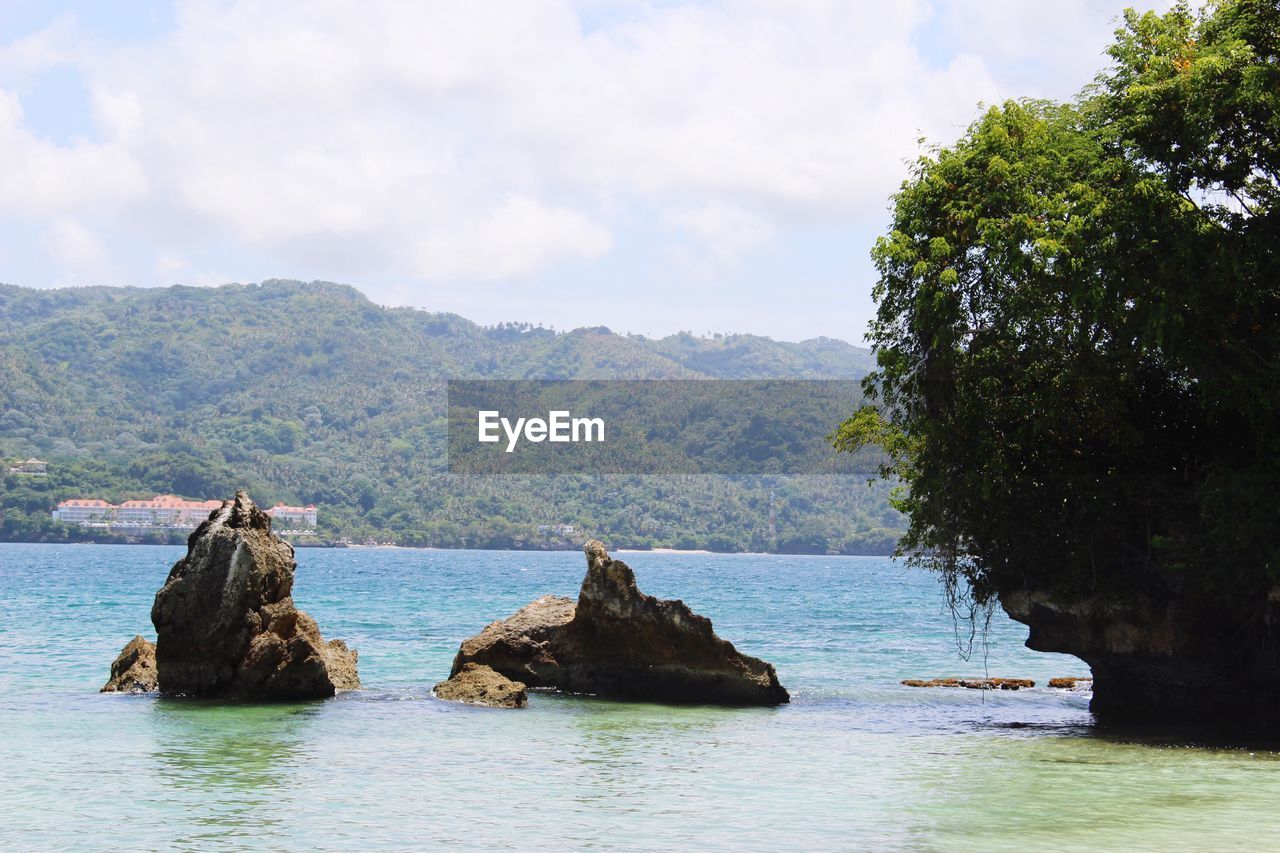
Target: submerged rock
226, 625
616, 641
134, 669
972, 683
477, 684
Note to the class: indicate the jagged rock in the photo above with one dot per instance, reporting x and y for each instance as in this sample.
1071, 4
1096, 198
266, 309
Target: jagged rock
1069, 683
616, 641
477, 684
134, 669
226, 625
1165, 655
972, 683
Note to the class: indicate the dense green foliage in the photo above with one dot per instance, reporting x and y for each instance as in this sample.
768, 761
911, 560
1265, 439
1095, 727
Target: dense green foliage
1078, 334
309, 393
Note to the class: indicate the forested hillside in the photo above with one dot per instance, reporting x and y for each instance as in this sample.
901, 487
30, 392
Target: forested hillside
309, 393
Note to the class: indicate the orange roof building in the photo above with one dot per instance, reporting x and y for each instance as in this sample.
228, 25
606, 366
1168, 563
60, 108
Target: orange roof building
167, 511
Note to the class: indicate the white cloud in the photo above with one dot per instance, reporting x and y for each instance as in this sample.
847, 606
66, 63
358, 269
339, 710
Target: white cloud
720, 235
1034, 48
169, 265
75, 250
444, 143
50, 47
41, 180
507, 240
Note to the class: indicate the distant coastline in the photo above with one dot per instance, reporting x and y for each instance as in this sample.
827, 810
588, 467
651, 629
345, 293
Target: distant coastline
332, 545
340, 403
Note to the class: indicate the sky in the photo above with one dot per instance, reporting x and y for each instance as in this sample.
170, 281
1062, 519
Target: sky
647, 166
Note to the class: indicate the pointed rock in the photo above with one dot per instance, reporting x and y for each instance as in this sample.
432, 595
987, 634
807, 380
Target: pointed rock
616, 641
226, 625
134, 669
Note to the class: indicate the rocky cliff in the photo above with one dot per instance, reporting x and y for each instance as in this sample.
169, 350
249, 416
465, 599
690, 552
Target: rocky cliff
225, 621
1165, 658
616, 641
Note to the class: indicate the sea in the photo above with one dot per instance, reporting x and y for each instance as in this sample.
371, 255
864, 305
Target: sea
856, 761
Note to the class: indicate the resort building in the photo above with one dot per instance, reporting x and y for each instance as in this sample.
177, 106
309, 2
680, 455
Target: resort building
293, 517
83, 511
166, 512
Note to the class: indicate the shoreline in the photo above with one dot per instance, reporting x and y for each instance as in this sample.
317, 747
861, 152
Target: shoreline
671, 551
565, 549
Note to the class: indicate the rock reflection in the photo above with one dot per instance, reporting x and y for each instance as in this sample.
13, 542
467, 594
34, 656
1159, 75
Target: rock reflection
229, 766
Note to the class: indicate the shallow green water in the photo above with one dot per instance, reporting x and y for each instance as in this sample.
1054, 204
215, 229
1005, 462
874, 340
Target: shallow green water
854, 762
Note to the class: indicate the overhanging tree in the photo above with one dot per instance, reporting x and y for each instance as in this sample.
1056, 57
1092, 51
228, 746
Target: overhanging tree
1077, 336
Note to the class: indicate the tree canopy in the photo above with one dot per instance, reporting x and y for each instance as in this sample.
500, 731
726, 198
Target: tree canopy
1078, 328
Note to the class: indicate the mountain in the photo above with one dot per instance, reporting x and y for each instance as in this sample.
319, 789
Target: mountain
310, 393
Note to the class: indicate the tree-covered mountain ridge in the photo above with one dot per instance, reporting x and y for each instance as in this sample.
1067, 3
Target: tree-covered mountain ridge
311, 393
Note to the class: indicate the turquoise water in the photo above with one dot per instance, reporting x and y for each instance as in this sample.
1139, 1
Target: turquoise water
854, 762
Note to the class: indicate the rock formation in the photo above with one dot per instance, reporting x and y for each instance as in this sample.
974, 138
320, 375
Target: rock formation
1071, 683
616, 641
134, 669
520, 645
1164, 658
972, 683
226, 625
476, 684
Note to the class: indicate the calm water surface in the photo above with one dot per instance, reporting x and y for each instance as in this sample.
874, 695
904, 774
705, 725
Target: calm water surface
854, 762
